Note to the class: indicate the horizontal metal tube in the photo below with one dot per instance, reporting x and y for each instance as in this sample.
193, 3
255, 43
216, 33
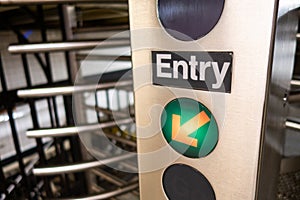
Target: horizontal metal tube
69, 131
292, 125
109, 177
100, 29
24, 2
102, 57
117, 113
55, 170
295, 82
68, 90
294, 98
65, 46
111, 194
128, 165
120, 139
122, 6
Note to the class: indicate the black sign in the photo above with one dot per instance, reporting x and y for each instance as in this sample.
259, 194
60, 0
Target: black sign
210, 71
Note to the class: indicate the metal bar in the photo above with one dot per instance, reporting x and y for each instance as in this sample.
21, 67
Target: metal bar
295, 82
18, 150
117, 113
70, 131
108, 195
96, 105
40, 145
101, 29
19, 155
3, 181
126, 164
294, 98
30, 2
69, 90
33, 113
65, 46
41, 21
102, 57
109, 177
2, 76
108, 102
292, 125
55, 170
115, 6
65, 19
120, 139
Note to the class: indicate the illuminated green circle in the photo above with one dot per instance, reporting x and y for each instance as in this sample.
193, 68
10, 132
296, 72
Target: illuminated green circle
195, 134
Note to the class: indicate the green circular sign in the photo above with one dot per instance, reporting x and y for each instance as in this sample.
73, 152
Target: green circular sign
189, 127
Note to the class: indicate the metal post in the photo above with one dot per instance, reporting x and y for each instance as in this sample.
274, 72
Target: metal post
72, 68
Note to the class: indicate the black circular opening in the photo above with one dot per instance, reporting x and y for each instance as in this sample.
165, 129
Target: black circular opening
189, 19
184, 182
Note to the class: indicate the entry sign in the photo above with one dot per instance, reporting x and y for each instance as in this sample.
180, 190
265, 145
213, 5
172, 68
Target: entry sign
189, 127
209, 71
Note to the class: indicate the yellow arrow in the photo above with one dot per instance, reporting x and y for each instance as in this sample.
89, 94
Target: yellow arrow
181, 133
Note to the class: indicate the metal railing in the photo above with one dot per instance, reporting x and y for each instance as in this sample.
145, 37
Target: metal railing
69, 90
65, 46
55, 170
69, 131
108, 195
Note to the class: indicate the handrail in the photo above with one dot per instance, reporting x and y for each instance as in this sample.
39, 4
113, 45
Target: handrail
25, 2
110, 194
69, 131
73, 168
68, 90
65, 46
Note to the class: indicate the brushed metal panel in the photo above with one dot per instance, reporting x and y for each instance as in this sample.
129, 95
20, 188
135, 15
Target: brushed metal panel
247, 29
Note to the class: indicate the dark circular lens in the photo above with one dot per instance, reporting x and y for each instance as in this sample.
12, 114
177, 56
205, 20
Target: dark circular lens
184, 182
189, 19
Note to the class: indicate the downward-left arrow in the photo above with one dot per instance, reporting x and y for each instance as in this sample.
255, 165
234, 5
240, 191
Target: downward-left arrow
181, 133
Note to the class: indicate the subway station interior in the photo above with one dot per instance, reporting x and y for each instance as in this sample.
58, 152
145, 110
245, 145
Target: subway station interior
150, 99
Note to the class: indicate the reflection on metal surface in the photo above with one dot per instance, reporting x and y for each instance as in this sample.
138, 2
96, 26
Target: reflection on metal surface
48, 171
63, 132
64, 46
109, 194
69, 90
